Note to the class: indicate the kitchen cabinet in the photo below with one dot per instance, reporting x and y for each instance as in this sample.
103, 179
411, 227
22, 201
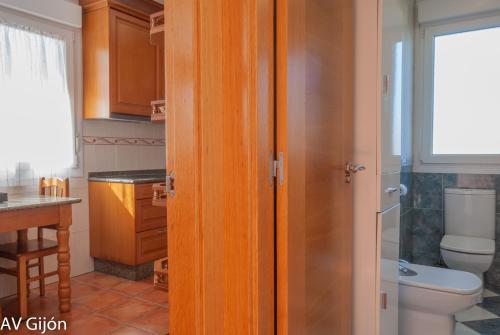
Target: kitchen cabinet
122, 71
125, 227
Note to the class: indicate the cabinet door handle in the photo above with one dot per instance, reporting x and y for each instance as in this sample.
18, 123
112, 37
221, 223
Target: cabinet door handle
383, 300
162, 231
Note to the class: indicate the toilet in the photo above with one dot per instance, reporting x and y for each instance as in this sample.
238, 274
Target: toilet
469, 223
429, 297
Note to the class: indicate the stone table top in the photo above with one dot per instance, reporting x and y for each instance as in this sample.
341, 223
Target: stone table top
129, 177
25, 202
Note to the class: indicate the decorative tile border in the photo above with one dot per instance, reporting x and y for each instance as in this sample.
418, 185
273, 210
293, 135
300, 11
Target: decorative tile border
94, 140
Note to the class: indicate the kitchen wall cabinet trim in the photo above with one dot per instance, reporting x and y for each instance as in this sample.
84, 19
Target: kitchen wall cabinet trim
138, 8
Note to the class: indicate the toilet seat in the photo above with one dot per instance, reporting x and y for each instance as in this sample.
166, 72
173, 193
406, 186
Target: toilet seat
442, 280
468, 245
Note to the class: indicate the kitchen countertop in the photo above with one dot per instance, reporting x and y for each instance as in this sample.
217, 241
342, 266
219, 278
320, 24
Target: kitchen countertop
37, 201
129, 177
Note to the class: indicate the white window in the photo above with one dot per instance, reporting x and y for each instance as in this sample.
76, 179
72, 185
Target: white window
37, 100
459, 108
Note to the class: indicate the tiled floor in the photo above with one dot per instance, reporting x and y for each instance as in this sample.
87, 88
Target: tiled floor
482, 319
102, 305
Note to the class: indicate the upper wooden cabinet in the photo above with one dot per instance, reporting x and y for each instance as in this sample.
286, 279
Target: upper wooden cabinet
122, 71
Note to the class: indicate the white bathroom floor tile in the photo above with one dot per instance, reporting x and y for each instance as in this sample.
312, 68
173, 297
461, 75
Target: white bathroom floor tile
474, 314
462, 329
487, 293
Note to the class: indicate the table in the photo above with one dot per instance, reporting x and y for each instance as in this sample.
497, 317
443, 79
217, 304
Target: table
21, 213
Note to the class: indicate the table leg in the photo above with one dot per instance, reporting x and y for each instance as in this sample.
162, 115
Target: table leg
63, 259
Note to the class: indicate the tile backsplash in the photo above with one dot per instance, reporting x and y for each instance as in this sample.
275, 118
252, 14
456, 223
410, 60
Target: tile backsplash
422, 216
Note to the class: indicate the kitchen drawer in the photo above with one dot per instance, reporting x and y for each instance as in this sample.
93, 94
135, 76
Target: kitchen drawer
390, 191
151, 245
143, 191
149, 217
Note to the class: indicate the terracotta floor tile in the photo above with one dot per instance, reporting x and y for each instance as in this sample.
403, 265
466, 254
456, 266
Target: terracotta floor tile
156, 321
43, 307
21, 331
130, 331
95, 292
39, 306
106, 282
89, 277
93, 325
101, 300
77, 313
78, 290
155, 296
9, 306
51, 289
132, 287
149, 280
129, 310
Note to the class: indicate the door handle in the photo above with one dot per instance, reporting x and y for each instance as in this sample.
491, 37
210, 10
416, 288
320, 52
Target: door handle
391, 190
352, 169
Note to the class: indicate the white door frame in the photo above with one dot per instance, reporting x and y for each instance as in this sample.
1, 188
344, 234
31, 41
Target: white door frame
366, 151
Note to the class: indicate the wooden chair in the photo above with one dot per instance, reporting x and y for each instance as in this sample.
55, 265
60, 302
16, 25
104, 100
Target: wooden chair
24, 251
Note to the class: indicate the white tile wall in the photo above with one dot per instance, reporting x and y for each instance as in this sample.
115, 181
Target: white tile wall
96, 158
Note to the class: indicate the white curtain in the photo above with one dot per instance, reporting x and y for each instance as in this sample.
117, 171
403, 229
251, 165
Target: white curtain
36, 120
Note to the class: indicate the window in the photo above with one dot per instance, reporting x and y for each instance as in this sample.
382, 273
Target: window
461, 93
37, 123
397, 101
466, 109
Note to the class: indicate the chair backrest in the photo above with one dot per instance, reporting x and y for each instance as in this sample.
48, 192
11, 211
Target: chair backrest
54, 187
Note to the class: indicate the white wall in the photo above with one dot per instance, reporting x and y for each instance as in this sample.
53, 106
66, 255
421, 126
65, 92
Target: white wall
437, 10
95, 157
62, 11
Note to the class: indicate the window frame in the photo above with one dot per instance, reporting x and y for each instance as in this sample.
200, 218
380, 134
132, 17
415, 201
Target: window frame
72, 37
424, 102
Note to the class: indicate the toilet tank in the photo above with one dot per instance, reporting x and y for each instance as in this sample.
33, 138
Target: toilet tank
470, 212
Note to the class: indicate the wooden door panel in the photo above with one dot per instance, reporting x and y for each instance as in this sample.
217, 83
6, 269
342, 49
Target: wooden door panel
134, 65
314, 131
220, 130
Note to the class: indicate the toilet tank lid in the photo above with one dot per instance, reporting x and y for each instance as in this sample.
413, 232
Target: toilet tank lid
472, 191
468, 244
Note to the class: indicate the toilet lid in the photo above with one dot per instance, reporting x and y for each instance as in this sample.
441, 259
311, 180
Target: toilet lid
441, 279
469, 245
